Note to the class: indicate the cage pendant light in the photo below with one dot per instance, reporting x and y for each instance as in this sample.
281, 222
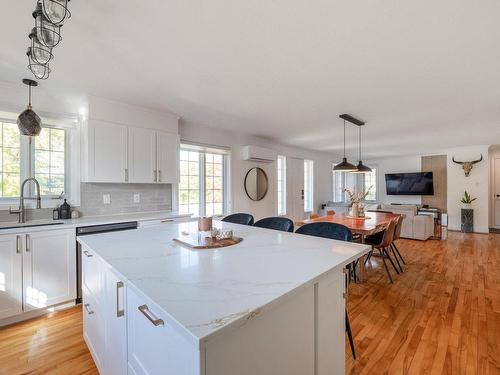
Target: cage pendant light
56, 11
40, 53
40, 71
28, 122
47, 33
361, 168
344, 165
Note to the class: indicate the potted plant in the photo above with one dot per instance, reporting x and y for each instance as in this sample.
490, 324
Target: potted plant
356, 199
467, 214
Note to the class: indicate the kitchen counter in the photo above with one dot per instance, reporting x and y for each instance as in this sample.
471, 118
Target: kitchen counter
204, 293
41, 225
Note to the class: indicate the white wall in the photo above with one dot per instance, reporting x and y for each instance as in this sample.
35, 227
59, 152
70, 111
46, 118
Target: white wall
477, 184
395, 165
494, 152
234, 140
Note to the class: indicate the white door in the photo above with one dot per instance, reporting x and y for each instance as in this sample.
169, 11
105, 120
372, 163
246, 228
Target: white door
142, 155
497, 193
11, 281
168, 157
107, 152
49, 268
116, 325
295, 188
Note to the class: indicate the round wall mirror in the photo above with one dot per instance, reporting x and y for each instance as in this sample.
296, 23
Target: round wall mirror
256, 184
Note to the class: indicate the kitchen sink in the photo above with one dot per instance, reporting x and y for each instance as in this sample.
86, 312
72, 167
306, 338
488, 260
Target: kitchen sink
29, 224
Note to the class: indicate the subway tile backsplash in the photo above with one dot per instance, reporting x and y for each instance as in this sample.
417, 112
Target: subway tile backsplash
153, 197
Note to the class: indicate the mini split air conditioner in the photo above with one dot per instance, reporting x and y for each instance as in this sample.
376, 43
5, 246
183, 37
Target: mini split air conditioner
259, 154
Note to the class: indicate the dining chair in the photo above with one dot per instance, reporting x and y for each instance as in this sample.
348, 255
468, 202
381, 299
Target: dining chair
382, 246
313, 216
239, 218
397, 236
335, 232
278, 223
330, 213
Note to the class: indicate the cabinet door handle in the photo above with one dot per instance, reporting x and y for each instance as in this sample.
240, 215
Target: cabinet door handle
148, 314
126, 175
87, 254
18, 244
88, 309
119, 312
168, 221
28, 243
159, 175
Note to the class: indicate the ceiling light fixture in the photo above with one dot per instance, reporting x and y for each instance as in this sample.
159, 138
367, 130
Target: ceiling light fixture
47, 33
28, 122
56, 11
40, 53
344, 165
40, 71
361, 168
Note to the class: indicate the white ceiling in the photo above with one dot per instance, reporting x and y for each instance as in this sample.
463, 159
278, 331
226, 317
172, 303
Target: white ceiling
423, 74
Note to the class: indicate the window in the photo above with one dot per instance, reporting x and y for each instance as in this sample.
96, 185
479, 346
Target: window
281, 171
202, 186
42, 157
370, 179
308, 185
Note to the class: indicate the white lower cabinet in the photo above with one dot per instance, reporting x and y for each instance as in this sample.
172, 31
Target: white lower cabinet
11, 279
160, 222
154, 347
94, 329
37, 270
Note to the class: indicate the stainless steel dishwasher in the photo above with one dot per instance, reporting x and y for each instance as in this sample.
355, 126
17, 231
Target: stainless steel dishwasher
94, 229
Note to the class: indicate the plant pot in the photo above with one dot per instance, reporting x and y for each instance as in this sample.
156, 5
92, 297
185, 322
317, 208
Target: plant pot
467, 220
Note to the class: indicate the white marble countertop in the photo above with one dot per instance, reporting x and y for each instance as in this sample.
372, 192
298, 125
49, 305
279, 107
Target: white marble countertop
205, 291
38, 225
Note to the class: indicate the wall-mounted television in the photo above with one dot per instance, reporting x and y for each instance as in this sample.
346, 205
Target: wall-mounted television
419, 183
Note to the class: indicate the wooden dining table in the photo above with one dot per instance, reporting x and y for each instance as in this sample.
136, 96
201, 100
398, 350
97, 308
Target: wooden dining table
372, 223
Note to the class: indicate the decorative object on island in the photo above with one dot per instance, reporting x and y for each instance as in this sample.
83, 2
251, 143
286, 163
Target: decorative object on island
206, 242
28, 122
467, 165
256, 184
205, 224
467, 214
357, 208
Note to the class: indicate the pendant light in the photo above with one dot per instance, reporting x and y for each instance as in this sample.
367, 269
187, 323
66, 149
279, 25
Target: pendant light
40, 71
28, 122
40, 53
56, 11
361, 168
47, 33
344, 166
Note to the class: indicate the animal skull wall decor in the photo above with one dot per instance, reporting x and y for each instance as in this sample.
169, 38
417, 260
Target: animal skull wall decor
467, 165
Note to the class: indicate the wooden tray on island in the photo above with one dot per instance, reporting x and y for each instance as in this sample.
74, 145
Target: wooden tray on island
195, 241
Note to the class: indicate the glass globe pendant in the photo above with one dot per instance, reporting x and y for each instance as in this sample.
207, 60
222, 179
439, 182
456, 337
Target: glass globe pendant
28, 122
47, 33
56, 11
40, 53
40, 71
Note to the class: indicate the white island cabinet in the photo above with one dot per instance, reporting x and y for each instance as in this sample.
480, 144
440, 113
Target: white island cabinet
271, 305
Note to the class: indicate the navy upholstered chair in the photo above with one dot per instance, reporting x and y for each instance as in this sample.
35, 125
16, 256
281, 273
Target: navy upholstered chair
240, 218
277, 223
326, 230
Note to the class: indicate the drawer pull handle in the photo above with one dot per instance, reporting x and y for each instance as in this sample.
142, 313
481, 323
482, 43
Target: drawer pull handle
27, 243
18, 244
148, 314
88, 309
168, 221
87, 254
119, 312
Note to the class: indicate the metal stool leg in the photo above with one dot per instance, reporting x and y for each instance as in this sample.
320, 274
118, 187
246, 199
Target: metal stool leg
385, 266
349, 335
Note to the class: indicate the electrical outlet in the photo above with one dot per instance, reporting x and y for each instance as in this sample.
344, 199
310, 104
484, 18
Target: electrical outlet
106, 199
137, 198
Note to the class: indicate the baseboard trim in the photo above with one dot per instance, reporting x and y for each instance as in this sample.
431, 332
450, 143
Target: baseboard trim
35, 314
495, 230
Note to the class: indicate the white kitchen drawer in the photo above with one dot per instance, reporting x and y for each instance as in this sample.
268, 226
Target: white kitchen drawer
154, 347
94, 328
159, 222
92, 272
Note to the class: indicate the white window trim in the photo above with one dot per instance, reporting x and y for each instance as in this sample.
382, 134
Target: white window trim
72, 163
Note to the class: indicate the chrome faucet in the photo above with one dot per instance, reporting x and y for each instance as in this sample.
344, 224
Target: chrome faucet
21, 211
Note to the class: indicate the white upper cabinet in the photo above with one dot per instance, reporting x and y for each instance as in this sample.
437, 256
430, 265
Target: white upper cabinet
106, 150
11, 288
168, 157
119, 153
142, 155
49, 268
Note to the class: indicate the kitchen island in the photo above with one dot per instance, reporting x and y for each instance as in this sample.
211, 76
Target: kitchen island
272, 304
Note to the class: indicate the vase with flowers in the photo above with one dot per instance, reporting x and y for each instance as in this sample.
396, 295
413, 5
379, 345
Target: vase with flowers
357, 198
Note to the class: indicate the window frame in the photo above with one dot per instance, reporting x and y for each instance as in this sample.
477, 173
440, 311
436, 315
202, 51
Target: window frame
308, 186
359, 184
71, 127
226, 160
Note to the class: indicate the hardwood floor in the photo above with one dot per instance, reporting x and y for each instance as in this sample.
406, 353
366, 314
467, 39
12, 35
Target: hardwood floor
442, 316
